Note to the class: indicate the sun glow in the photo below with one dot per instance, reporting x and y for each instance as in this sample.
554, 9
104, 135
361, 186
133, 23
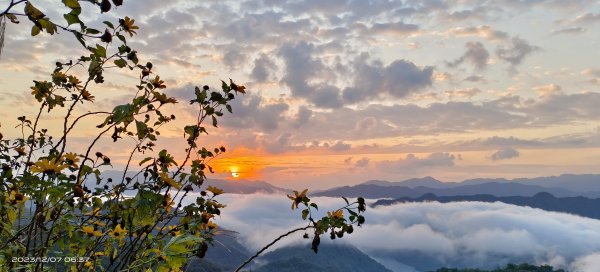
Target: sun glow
235, 171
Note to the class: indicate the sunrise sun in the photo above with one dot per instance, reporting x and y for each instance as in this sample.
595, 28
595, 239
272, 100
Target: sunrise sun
235, 171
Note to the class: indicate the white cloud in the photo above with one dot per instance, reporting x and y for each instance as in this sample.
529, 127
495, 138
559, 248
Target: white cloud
472, 234
505, 154
588, 263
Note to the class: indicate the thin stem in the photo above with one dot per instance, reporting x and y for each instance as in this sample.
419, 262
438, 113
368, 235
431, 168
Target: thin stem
31, 147
12, 4
269, 245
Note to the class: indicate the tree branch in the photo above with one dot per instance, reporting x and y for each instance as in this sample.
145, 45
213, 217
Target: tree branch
269, 245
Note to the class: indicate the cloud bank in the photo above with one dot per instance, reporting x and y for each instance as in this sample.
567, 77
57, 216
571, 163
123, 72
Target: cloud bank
431, 235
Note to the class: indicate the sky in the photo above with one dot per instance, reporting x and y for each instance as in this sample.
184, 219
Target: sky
344, 91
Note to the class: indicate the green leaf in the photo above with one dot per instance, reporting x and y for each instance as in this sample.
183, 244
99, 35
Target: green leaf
346, 199
32, 12
229, 108
51, 28
314, 206
71, 18
351, 212
145, 160
12, 18
120, 63
72, 3
305, 213
214, 121
179, 244
35, 31
121, 37
109, 24
100, 51
92, 31
94, 67
144, 204
142, 129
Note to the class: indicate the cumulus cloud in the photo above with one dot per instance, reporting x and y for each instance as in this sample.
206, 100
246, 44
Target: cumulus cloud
263, 69
483, 31
547, 90
505, 154
340, 146
398, 79
252, 111
303, 116
300, 66
412, 162
280, 145
430, 235
362, 162
476, 54
516, 52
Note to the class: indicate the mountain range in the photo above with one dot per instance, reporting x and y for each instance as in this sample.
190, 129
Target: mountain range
567, 185
582, 206
560, 186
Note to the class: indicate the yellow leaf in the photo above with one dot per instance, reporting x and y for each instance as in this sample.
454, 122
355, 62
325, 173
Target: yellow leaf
214, 190
165, 177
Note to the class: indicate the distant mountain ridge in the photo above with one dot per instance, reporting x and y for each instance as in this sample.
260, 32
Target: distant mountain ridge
567, 185
229, 186
245, 186
560, 186
582, 206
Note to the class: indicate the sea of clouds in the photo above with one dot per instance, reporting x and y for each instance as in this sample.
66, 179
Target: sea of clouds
422, 236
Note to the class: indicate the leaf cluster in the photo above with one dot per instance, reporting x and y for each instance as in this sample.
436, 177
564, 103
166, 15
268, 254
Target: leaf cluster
55, 202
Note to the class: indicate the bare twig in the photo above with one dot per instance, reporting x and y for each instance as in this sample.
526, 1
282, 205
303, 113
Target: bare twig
271, 244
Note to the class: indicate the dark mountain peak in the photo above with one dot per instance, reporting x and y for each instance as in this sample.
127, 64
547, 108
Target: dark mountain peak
428, 196
378, 182
331, 258
544, 195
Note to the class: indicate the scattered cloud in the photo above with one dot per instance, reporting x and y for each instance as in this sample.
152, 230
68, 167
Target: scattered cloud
264, 67
362, 162
587, 18
412, 162
340, 146
398, 79
569, 30
476, 55
516, 51
547, 90
483, 31
505, 154
466, 93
